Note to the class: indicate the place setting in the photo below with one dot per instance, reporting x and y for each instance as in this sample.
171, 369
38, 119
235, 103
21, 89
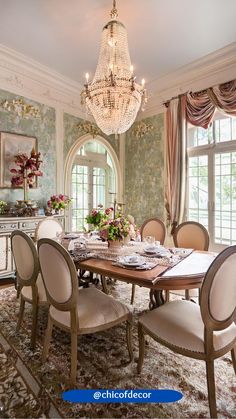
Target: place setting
134, 261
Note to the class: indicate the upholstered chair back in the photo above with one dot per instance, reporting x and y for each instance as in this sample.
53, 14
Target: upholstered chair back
191, 235
218, 293
25, 258
153, 227
48, 229
58, 273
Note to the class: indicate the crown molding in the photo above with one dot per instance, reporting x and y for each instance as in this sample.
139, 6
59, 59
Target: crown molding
215, 68
23, 76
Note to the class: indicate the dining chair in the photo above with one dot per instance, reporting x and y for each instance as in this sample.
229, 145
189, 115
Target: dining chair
151, 227
74, 310
28, 277
203, 332
48, 228
191, 235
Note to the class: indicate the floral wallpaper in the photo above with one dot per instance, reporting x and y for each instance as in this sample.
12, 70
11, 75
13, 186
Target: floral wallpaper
72, 133
144, 167
43, 128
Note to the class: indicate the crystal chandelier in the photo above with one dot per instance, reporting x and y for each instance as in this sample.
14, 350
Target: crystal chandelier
114, 97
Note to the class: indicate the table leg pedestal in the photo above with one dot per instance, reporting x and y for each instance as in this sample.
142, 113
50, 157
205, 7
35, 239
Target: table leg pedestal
156, 299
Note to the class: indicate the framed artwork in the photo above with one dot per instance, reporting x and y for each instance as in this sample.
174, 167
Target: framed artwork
10, 145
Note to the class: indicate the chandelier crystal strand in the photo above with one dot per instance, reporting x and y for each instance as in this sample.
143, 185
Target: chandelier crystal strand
113, 97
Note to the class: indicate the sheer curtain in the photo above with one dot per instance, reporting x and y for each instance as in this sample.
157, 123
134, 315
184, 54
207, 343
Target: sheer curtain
198, 109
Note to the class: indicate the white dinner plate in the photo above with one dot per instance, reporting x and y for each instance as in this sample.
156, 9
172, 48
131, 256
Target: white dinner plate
152, 249
132, 261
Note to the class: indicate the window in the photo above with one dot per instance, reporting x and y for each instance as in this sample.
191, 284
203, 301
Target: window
211, 197
93, 182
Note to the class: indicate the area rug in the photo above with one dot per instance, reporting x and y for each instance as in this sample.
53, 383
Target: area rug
31, 389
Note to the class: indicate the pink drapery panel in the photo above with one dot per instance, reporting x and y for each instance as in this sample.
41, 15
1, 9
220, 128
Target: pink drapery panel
201, 106
175, 162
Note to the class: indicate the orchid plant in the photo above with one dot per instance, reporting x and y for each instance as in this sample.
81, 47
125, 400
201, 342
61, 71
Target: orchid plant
27, 169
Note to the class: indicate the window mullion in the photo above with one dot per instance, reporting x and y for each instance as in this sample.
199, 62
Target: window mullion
211, 196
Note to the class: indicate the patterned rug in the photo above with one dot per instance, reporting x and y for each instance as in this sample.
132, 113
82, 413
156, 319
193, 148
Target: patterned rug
30, 389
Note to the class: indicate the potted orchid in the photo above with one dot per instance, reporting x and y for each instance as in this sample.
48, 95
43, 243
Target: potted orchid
26, 172
58, 202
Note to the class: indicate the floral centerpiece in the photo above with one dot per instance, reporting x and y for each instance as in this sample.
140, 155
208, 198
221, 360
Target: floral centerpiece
58, 202
3, 204
113, 228
27, 171
98, 216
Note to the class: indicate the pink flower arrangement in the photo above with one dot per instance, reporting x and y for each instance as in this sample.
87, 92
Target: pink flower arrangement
116, 229
27, 168
58, 201
97, 216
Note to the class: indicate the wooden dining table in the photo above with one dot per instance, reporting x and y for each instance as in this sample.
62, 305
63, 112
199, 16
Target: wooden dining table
187, 274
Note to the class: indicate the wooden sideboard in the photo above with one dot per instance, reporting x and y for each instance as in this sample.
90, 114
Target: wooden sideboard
9, 224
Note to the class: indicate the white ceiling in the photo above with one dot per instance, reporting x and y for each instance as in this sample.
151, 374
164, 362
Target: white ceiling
164, 35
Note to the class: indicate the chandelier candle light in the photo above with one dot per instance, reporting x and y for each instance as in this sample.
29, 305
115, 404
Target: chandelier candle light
113, 97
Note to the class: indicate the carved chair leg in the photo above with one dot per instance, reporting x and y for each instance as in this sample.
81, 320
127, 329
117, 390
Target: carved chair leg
73, 368
21, 313
211, 388
132, 294
34, 325
18, 290
129, 339
104, 284
47, 339
141, 347
187, 296
233, 355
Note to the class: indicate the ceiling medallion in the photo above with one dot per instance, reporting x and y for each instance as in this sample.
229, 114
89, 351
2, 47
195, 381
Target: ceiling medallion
89, 128
113, 97
23, 109
141, 129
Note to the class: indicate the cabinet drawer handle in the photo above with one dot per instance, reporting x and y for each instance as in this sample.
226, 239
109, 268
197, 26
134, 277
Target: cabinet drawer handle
3, 226
23, 224
13, 226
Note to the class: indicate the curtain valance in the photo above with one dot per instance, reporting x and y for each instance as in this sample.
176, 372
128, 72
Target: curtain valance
201, 106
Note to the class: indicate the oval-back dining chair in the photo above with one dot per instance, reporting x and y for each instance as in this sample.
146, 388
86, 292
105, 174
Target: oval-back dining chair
151, 227
74, 310
28, 277
48, 229
191, 235
203, 332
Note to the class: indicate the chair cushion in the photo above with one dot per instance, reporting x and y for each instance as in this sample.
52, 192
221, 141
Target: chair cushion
179, 323
27, 291
96, 311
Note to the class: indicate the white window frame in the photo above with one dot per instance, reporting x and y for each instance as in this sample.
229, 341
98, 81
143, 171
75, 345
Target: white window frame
210, 150
69, 164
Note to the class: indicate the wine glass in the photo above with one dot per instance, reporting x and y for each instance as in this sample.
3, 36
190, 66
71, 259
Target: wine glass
149, 239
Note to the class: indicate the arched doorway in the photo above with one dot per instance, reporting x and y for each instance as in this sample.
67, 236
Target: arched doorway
92, 178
